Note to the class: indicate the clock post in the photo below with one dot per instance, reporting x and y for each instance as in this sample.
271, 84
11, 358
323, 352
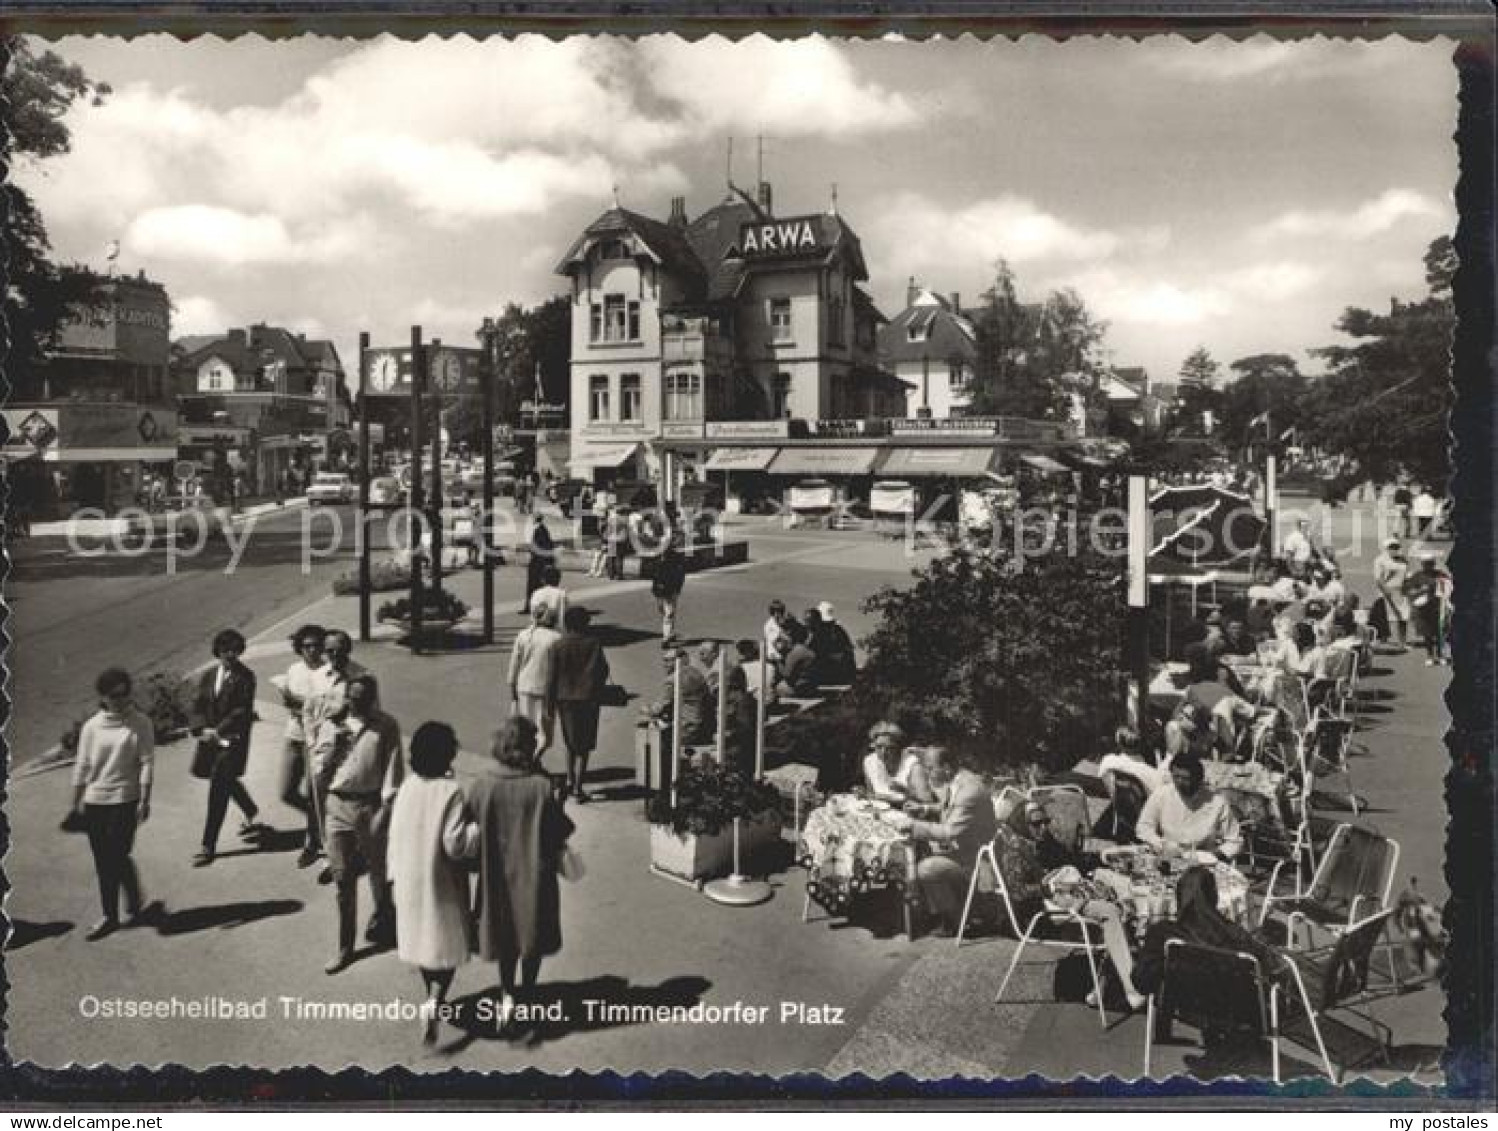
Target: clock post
435, 376
416, 499
364, 579
486, 530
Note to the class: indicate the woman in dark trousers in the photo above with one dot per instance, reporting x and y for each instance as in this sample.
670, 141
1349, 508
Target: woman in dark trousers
112, 794
225, 713
579, 673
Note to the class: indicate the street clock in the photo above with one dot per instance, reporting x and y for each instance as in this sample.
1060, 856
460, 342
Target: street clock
384, 373
449, 372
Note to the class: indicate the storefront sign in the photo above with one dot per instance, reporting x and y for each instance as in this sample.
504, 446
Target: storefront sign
748, 429
779, 237
91, 432
681, 430
197, 435
608, 428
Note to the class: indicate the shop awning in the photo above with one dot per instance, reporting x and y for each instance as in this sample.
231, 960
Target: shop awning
740, 459
1045, 464
605, 455
824, 461
959, 463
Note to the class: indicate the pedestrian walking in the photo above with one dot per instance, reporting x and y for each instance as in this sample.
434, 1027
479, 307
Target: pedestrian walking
579, 674
523, 833
1403, 503
1428, 590
112, 795
666, 585
224, 714
543, 554
1424, 510
1390, 572
339, 665
431, 834
361, 765
615, 543
551, 596
299, 684
530, 674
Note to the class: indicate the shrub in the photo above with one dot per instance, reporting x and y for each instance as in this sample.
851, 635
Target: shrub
384, 576
439, 606
707, 799
166, 700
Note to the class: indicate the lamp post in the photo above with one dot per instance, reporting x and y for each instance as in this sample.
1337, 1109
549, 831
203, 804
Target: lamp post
436, 500
364, 578
487, 335
418, 360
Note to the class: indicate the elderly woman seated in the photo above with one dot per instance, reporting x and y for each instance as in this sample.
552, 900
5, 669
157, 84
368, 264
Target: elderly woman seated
1188, 815
1038, 869
1211, 710
892, 771
1129, 779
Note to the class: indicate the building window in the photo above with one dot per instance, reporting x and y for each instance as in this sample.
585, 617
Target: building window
598, 397
629, 397
780, 319
780, 396
616, 319
835, 322
956, 378
615, 249
918, 329
683, 395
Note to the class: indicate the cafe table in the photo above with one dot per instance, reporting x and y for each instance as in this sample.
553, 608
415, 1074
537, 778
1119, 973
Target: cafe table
1150, 878
848, 846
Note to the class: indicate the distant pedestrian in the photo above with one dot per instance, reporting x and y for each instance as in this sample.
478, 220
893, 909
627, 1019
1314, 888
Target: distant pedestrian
1390, 572
550, 596
579, 674
523, 832
1403, 502
615, 543
431, 833
1424, 510
836, 659
112, 794
666, 584
299, 684
543, 554
362, 769
1428, 590
530, 674
224, 714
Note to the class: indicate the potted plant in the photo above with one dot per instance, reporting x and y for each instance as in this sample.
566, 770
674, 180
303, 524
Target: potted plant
691, 826
440, 611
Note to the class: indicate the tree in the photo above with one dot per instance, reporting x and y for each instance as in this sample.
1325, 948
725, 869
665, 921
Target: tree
531, 346
1264, 397
1015, 666
38, 90
1197, 394
1029, 356
1384, 402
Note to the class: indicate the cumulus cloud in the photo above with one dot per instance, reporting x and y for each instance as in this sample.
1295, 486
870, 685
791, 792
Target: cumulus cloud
210, 234
797, 88
1373, 218
198, 314
1223, 60
1274, 281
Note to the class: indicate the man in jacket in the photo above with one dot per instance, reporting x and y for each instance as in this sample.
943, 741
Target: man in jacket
361, 766
698, 719
795, 669
964, 823
666, 584
579, 673
543, 554
224, 714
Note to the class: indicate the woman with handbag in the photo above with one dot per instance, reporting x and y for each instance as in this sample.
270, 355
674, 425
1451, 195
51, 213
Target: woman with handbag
112, 794
431, 833
579, 674
523, 833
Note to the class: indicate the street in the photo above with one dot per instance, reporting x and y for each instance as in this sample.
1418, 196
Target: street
841, 997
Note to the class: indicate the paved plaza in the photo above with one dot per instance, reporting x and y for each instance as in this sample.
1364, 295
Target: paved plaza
842, 997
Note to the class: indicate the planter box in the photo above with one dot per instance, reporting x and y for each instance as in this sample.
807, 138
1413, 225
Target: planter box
693, 857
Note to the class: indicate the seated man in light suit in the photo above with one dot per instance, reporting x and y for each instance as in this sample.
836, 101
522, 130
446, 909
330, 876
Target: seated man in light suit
965, 822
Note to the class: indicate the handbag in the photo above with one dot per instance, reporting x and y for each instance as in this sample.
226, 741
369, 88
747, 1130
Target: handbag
613, 695
570, 865
204, 758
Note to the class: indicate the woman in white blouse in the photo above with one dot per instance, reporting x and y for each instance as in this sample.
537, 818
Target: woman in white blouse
892, 772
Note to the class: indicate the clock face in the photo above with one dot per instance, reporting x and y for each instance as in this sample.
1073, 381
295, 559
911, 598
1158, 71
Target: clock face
450, 371
384, 372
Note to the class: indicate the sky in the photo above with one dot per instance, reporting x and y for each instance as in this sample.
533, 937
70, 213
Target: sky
1232, 195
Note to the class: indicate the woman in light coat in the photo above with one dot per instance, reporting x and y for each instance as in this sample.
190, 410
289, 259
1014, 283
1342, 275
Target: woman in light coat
431, 832
530, 675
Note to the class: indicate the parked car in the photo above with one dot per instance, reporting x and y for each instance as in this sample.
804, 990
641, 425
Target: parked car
505, 477
330, 487
386, 491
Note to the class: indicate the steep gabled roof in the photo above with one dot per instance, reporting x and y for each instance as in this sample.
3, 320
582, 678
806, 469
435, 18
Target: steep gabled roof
946, 334
667, 245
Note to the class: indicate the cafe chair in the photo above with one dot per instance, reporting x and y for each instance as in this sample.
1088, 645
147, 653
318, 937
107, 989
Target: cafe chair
1325, 746
1354, 877
1334, 978
1062, 930
1210, 988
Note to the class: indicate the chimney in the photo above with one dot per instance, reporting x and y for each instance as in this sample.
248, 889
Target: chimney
238, 338
956, 303
678, 212
764, 198
911, 292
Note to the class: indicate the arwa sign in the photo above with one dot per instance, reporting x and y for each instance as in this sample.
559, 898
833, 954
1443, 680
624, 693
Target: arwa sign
779, 237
